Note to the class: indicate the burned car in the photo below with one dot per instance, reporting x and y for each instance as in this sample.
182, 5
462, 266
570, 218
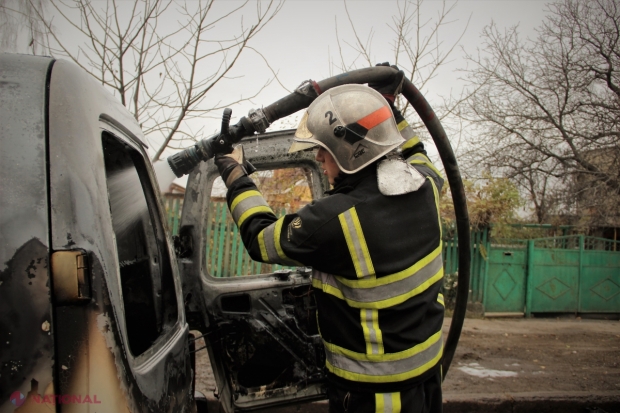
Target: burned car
98, 301
95, 306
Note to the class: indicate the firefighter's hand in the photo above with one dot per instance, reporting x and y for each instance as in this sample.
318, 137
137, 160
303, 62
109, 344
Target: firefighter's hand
392, 87
233, 166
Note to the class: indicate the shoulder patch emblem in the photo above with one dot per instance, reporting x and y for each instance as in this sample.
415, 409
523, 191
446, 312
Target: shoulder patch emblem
296, 223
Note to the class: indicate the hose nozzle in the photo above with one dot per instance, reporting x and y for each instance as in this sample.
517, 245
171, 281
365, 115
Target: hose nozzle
184, 161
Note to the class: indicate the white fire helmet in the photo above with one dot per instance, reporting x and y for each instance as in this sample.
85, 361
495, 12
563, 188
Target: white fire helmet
353, 122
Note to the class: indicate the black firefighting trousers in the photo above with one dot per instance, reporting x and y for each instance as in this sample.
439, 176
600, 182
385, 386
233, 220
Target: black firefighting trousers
423, 398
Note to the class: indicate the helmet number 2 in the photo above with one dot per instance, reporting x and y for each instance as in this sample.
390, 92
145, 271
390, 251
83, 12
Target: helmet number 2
332, 119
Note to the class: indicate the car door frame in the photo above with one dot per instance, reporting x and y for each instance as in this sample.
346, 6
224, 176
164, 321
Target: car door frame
201, 290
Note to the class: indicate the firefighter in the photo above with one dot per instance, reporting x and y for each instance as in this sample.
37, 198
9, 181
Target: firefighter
374, 245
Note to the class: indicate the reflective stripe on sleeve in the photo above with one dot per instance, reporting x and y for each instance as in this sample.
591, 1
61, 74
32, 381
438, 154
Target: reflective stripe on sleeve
410, 142
383, 368
372, 334
406, 131
422, 160
385, 291
356, 243
387, 403
247, 204
270, 247
436, 195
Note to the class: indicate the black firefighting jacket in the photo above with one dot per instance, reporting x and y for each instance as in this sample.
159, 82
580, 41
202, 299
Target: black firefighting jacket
377, 271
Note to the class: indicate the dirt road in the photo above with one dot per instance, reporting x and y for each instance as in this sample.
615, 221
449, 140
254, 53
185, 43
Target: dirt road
500, 356
536, 355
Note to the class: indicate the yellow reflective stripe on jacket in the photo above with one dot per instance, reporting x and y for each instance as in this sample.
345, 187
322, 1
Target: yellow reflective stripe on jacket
247, 204
387, 291
440, 299
383, 368
387, 403
405, 130
421, 159
253, 211
270, 247
410, 143
263, 248
436, 194
356, 243
372, 334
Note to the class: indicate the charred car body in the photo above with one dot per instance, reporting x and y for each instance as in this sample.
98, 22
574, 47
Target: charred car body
93, 304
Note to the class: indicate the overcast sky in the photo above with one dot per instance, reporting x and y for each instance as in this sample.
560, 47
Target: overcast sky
301, 40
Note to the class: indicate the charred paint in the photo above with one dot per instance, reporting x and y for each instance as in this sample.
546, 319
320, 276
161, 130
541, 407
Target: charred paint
95, 360
26, 345
70, 243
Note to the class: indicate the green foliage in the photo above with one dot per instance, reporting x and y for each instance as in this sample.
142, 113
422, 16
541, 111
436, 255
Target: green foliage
490, 201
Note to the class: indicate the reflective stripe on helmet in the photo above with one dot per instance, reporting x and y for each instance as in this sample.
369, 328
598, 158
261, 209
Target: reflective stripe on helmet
380, 115
387, 291
247, 204
387, 403
372, 333
355, 132
270, 247
384, 368
356, 242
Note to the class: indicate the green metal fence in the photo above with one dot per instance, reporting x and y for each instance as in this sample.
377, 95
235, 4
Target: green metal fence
173, 205
226, 254
479, 255
572, 274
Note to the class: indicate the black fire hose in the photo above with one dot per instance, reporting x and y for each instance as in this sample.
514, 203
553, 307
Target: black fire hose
184, 161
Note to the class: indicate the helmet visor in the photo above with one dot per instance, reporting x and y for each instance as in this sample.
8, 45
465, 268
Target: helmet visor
303, 137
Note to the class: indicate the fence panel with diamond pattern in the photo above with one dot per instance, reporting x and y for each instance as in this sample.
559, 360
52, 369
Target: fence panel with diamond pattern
572, 274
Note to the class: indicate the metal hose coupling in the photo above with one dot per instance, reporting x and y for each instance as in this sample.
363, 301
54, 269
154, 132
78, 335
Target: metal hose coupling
185, 161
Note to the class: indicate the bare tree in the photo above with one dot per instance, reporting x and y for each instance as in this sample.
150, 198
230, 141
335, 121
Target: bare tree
417, 47
546, 111
20, 27
161, 58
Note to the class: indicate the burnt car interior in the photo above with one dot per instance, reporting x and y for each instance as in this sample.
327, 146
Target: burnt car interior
145, 269
265, 332
269, 339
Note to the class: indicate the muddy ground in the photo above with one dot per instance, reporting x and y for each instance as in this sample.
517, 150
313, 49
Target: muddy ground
499, 356
536, 355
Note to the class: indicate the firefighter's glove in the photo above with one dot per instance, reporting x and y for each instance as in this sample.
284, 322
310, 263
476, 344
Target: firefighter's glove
233, 166
391, 87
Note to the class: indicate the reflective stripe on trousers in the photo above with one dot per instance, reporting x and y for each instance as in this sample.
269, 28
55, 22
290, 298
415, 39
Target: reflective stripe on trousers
384, 368
422, 398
